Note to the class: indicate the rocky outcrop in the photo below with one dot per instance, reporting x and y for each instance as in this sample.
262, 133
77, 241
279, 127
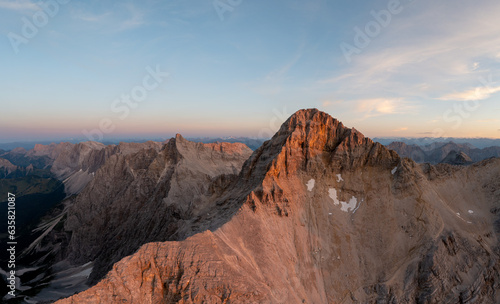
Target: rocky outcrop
457, 158
150, 195
6, 168
318, 214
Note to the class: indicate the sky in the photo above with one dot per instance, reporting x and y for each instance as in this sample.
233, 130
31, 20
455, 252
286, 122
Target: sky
154, 68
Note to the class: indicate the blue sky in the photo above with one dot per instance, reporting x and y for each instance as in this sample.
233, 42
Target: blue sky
239, 67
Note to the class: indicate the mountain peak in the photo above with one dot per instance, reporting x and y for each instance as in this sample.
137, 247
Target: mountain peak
311, 140
179, 137
316, 132
457, 158
308, 117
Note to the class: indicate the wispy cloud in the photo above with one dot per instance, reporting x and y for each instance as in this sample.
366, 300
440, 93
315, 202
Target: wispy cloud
135, 20
281, 73
327, 103
479, 93
400, 129
92, 17
272, 83
383, 106
126, 17
426, 54
19, 5
336, 79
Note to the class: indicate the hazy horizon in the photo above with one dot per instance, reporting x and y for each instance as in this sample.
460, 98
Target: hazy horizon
162, 138
145, 137
479, 142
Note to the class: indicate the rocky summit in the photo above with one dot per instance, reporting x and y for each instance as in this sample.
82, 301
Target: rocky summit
317, 214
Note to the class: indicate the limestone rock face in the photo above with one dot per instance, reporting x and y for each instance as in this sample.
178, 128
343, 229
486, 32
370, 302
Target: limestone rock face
77, 165
149, 195
318, 214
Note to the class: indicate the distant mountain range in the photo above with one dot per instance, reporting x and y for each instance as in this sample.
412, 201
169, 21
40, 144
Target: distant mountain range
252, 143
438, 152
424, 141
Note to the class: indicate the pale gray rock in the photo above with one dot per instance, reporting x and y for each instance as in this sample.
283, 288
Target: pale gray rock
149, 195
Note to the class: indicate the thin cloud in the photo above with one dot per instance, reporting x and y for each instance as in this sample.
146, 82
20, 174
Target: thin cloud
400, 129
442, 56
272, 83
328, 103
425, 133
136, 18
93, 18
336, 79
281, 73
128, 17
383, 106
479, 93
20, 5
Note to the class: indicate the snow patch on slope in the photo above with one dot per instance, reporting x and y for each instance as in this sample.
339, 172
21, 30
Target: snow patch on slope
333, 195
310, 184
345, 206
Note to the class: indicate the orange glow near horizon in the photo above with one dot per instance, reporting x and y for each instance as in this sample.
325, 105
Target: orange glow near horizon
209, 127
